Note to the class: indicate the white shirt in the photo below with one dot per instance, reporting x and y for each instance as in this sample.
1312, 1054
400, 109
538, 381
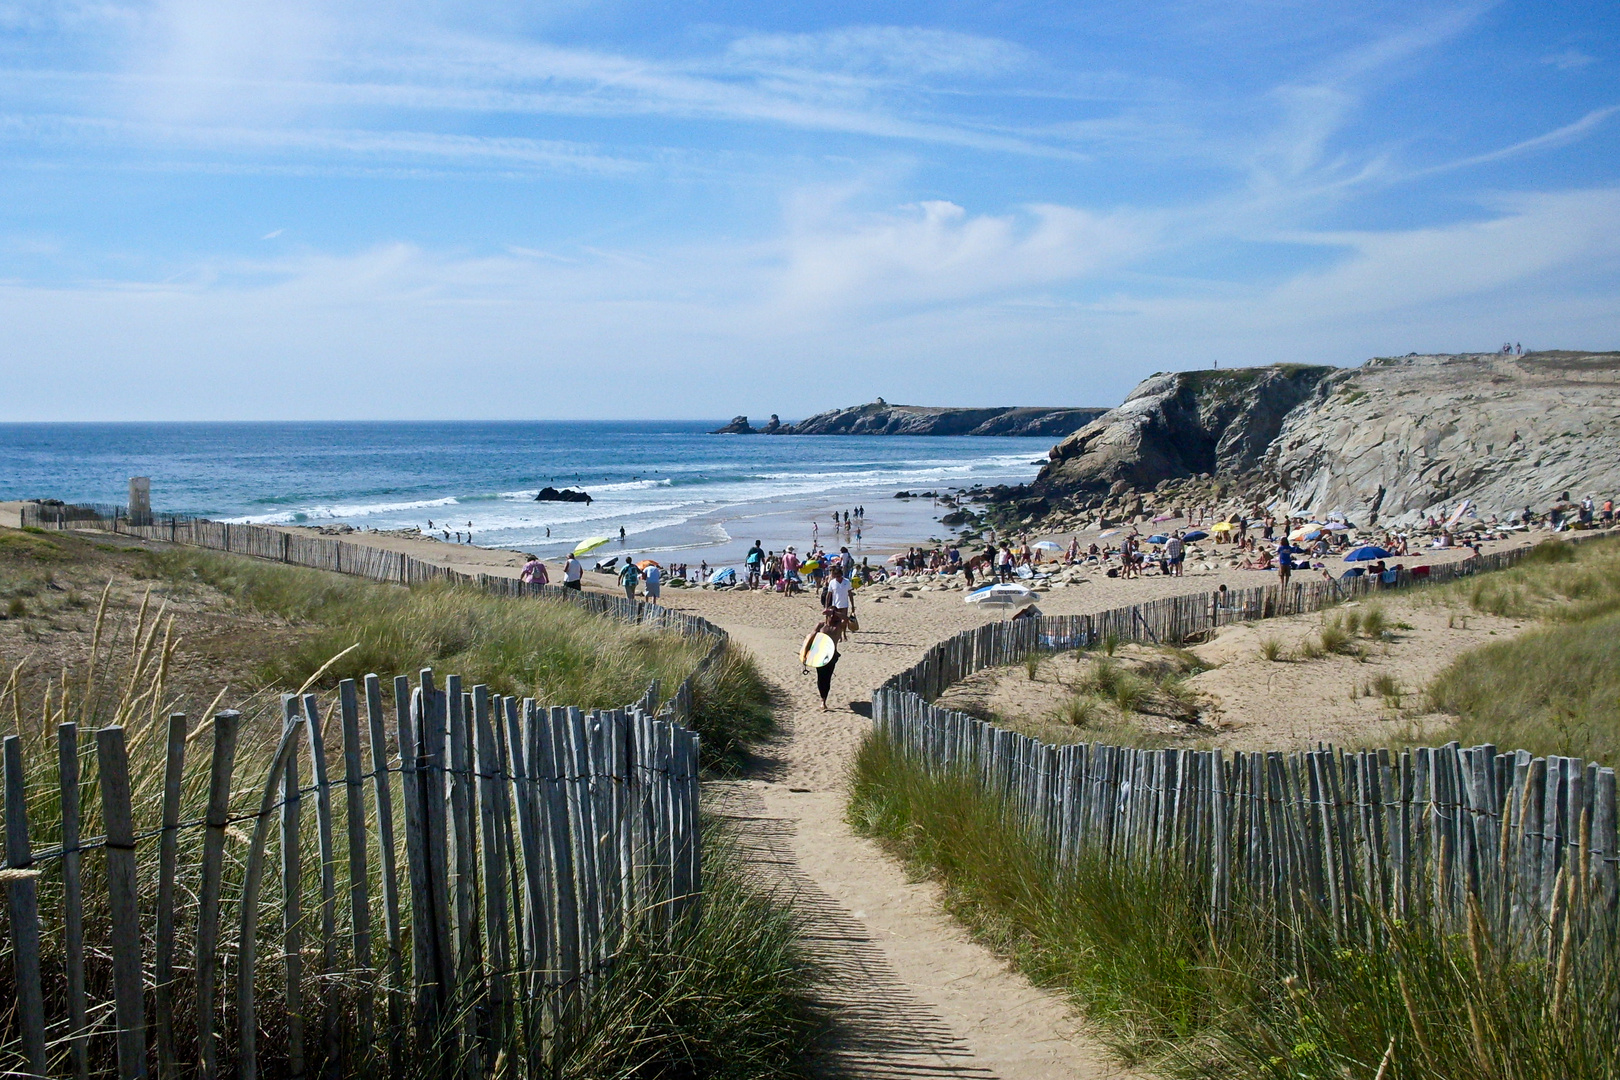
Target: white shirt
573, 570
839, 588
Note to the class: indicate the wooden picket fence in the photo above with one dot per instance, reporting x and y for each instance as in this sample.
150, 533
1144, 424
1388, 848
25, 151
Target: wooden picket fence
534, 843
346, 557
1353, 838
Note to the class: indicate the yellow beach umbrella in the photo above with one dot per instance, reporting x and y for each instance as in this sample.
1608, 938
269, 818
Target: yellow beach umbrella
587, 546
1222, 526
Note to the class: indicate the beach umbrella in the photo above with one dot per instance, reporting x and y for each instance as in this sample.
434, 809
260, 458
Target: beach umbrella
1013, 596
1104, 535
587, 546
1196, 534
644, 563
897, 557
1047, 545
1164, 517
1339, 526
1158, 538
1222, 526
1304, 532
726, 575
1367, 553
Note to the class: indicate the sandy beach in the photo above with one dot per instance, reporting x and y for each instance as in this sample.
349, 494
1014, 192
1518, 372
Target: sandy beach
902, 965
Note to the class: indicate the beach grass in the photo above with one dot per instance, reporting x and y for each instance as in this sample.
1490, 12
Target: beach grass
723, 995
552, 651
1556, 688
1133, 946
729, 995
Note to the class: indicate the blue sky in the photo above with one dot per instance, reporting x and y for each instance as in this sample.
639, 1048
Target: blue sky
413, 209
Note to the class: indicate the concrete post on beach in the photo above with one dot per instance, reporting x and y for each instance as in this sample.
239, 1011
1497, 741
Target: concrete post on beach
140, 500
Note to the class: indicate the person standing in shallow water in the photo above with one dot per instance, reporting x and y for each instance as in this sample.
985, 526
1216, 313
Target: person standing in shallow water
833, 624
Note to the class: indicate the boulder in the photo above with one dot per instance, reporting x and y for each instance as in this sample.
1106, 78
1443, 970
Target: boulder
568, 495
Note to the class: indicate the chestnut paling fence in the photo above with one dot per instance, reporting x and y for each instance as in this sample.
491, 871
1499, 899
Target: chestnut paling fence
1523, 845
457, 869
452, 903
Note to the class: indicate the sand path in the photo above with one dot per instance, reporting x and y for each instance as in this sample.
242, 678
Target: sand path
913, 995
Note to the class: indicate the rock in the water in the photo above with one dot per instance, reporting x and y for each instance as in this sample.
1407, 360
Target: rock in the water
881, 418
569, 495
738, 426
773, 427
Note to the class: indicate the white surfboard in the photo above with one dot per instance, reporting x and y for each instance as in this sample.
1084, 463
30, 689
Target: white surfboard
820, 652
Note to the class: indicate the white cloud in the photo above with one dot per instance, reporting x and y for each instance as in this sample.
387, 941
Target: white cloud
1569, 60
882, 50
935, 251
928, 296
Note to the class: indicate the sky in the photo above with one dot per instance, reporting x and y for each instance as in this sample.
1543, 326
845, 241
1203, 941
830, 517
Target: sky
424, 209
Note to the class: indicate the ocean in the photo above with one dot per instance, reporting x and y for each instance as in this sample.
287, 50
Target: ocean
674, 489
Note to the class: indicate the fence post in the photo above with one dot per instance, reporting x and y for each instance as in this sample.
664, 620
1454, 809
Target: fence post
216, 818
383, 794
67, 758
129, 1006
247, 945
292, 889
22, 899
359, 878
323, 837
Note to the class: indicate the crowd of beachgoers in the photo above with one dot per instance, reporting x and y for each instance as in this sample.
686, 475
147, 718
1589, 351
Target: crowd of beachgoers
1285, 545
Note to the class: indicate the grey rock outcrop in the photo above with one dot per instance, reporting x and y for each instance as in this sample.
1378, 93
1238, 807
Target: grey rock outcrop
881, 418
1398, 439
738, 426
1178, 425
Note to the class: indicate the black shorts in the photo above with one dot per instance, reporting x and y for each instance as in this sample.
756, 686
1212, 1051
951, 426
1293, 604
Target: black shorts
824, 675
571, 585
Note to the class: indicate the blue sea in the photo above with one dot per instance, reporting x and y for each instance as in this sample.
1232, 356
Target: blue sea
672, 487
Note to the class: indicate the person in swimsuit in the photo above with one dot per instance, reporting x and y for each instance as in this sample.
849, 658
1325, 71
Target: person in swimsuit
832, 624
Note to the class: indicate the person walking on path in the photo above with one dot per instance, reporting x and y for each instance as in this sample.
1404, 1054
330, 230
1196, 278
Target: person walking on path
833, 623
1285, 562
840, 595
756, 563
653, 578
573, 570
534, 572
628, 577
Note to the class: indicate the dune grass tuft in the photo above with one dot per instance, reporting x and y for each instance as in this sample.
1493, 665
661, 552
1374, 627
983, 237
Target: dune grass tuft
728, 996
1132, 944
1554, 689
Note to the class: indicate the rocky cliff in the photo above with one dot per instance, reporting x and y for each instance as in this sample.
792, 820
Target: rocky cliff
1398, 439
1183, 424
1392, 441
881, 418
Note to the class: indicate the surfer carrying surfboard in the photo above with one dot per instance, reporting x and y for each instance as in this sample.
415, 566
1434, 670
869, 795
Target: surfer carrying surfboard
820, 649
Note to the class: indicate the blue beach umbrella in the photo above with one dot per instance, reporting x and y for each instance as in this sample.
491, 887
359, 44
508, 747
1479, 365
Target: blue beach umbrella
1158, 538
1196, 534
1367, 554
